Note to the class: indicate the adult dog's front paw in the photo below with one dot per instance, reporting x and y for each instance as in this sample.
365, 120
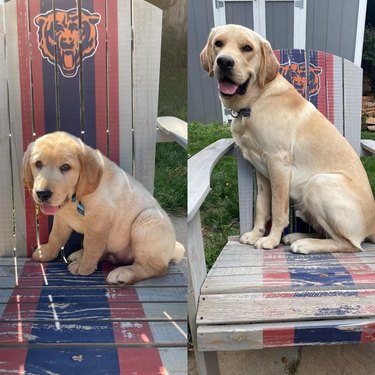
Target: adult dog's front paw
267, 243
77, 268
250, 238
44, 254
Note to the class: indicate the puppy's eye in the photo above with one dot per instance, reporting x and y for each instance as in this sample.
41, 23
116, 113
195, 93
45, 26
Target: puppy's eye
65, 168
247, 48
218, 43
38, 164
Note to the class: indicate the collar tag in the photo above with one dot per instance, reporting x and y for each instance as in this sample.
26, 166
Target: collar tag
244, 112
80, 206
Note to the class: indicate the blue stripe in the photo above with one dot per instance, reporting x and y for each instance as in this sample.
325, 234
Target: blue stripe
326, 335
40, 362
313, 57
309, 275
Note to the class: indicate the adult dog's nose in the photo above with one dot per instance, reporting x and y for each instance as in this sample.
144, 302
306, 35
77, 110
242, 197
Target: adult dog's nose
44, 194
225, 63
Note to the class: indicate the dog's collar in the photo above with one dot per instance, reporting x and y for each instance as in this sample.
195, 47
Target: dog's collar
80, 206
244, 112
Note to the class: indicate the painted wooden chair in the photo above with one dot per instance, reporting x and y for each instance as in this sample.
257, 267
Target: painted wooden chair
100, 83
253, 299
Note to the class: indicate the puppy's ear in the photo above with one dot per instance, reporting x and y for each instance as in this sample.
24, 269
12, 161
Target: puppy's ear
269, 66
206, 57
27, 176
91, 171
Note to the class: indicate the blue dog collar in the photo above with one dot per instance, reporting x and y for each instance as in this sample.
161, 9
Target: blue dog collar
80, 206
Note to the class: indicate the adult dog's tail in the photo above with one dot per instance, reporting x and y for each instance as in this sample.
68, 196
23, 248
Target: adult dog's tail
179, 252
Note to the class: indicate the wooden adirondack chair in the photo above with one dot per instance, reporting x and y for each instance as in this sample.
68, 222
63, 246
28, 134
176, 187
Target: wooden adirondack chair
253, 299
51, 321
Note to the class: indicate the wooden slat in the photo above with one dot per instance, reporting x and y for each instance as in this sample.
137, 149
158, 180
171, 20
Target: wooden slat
213, 309
352, 81
147, 37
101, 333
251, 336
83, 311
125, 85
6, 203
13, 74
336, 97
368, 145
175, 128
200, 167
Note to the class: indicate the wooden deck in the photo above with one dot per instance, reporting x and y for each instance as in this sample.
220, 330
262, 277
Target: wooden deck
54, 322
266, 308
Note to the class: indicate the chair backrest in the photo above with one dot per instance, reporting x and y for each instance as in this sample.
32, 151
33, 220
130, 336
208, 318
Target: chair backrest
90, 69
333, 85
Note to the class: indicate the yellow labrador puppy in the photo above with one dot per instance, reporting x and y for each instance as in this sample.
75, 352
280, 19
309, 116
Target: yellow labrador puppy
295, 150
90, 194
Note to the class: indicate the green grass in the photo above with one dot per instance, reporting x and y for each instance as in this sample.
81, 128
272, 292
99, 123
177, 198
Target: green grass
170, 178
219, 212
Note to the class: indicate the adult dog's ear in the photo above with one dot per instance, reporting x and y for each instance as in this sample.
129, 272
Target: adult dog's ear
27, 176
269, 66
91, 171
206, 57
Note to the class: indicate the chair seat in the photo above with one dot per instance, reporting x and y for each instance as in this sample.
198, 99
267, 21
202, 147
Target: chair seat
254, 298
53, 321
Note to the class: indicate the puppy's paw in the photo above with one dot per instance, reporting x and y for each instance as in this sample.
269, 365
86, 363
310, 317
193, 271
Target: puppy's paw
44, 254
120, 276
77, 268
250, 238
267, 243
77, 255
301, 247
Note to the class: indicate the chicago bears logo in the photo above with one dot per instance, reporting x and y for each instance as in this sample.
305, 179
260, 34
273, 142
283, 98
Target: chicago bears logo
61, 30
296, 74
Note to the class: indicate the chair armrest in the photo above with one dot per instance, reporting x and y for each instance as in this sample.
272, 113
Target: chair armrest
367, 147
200, 167
174, 128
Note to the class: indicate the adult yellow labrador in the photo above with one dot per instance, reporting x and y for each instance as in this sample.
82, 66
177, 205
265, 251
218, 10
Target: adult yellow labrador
295, 150
90, 194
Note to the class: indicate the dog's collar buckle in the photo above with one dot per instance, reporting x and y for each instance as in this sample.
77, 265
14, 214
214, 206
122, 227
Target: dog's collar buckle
244, 112
80, 206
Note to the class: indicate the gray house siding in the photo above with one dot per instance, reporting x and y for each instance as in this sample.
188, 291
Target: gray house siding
279, 24
332, 26
240, 12
203, 102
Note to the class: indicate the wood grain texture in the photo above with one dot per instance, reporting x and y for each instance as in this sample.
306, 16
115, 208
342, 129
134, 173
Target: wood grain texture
200, 167
15, 113
175, 129
147, 21
6, 202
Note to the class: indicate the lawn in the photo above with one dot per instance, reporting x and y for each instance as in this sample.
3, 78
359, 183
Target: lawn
219, 213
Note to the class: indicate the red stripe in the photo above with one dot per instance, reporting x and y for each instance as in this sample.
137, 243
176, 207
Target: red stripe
273, 337
322, 91
272, 271
27, 133
101, 79
38, 99
133, 361
329, 87
368, 333
20, 331
113, 86
13, 360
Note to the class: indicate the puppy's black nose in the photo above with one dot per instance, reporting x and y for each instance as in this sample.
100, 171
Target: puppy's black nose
225, 63
44, 194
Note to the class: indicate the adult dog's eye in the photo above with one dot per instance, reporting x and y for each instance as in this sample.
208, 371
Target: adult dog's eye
38, 164
247, 48
65, 168
219, 43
